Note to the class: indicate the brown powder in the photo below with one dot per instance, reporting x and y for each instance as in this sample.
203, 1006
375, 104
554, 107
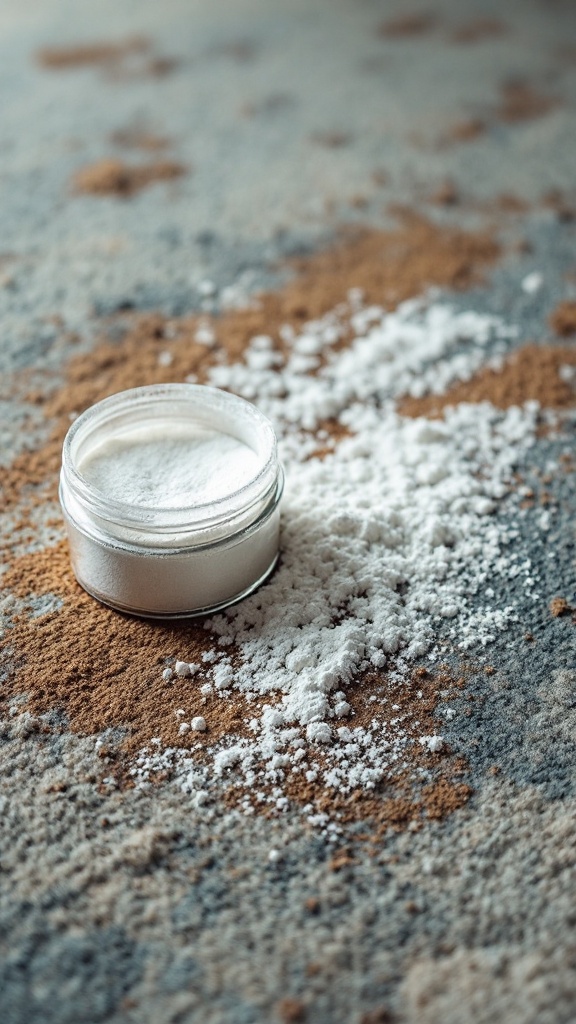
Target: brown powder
159, 67
446, 194
332, 140
563, 319
398, 801
478, 30
380, 1015
419, 23
466, 131
138, 138
531, 373
555, 199
521, 102
291, 1010
123, 60
103, 670
508, 202
559, 606
90, 54
112, 177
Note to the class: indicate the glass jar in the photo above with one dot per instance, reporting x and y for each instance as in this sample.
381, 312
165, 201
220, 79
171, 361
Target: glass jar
160, 552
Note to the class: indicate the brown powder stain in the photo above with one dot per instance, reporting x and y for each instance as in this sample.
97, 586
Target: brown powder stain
530, 373
332, 140
447, 194
291, 1010
521, 102
563, 319
559, 606
397, 801
478, 30
406, 26
91, 54
112, 177
467, 130
126, 59
508, 202
139, 138
557, 200
388, 266
102, 669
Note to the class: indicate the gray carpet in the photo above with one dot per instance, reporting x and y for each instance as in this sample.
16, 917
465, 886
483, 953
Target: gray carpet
126, 905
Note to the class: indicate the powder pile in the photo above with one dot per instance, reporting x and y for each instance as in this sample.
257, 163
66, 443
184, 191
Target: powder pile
388, 542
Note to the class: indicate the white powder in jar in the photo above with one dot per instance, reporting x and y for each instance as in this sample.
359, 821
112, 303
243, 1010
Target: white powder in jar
169, 465
171, 500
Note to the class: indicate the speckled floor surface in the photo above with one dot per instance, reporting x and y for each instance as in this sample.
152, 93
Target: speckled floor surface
291, 118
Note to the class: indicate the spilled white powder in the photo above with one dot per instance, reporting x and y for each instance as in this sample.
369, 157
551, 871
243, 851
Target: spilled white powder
169, 465
386, 541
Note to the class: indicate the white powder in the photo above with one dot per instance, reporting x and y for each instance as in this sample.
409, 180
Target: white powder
169, 465
383, 540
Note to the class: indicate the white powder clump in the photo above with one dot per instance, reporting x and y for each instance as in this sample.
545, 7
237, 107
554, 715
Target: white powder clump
532, 283
433, 743
198, 724
319, 732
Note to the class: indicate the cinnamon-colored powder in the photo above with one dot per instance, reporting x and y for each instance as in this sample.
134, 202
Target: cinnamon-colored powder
90, 54
521, 102
399, 801
103, 670
562, 205
531, 373
446, 194
404, 26
291, 1010
563, 319
112, 177
138, 138
467, 130
559, 606
125, 59
478, 30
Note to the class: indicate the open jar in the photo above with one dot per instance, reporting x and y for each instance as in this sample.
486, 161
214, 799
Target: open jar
171, 496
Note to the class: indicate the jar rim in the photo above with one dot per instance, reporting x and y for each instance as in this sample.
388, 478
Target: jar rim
199, 515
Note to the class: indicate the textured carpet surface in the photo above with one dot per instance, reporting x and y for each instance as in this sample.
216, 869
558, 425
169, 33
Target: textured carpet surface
287, 120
